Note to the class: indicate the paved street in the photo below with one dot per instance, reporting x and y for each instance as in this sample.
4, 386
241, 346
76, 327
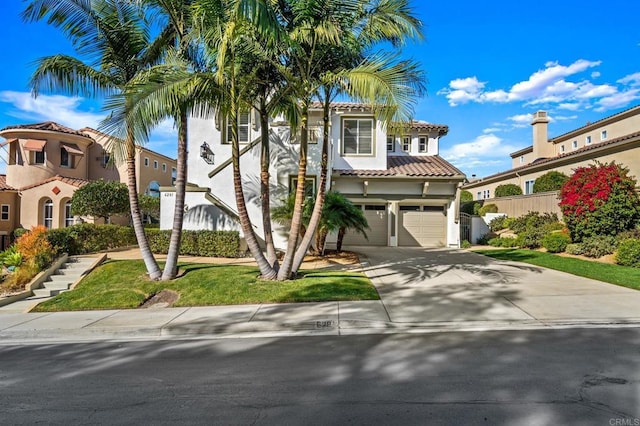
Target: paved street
543, 377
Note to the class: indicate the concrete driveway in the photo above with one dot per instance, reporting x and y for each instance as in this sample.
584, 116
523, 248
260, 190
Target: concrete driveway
419, 285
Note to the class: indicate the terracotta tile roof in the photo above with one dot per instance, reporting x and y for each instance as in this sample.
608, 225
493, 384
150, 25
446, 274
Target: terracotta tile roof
342, 105
617, 141
422, 125
3, 184
409, 166
68, 180
49, 126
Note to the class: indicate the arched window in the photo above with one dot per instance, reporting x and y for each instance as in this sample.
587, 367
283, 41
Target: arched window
68, 217
48, 213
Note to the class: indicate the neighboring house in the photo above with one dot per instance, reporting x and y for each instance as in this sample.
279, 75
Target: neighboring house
407, 192
48, 162
614, 138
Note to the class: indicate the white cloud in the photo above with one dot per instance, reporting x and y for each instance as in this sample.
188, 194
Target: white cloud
631, 79
521, 118
618, 100
61, 109
485, 146
553, 85
491, 130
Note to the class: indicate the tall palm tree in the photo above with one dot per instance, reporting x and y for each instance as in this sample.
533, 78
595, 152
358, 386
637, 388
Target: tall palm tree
113, 37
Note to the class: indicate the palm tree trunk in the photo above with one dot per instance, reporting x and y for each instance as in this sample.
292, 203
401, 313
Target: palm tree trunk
296, 221
265, 155
171, 266
320, 195
341, 233
266, 270
136, 218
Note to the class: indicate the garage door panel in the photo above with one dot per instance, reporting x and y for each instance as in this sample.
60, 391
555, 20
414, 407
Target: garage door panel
426, 229
377, 220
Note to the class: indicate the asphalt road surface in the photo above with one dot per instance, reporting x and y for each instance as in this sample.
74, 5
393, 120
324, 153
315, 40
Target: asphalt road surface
548, 377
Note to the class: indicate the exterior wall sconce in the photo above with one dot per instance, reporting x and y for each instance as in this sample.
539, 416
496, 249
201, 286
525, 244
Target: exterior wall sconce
206, 153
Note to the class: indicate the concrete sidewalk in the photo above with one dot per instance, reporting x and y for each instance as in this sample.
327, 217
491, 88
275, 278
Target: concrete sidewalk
422, 290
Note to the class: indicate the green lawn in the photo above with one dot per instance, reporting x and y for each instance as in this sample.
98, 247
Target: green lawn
122, 284
614, 274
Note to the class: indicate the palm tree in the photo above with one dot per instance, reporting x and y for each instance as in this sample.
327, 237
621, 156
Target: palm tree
113, 36
339, 214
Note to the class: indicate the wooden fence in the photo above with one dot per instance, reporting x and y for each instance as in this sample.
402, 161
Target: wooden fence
519, 205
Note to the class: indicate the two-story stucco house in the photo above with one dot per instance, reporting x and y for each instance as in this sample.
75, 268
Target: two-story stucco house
614, 138
48, 162
407, 191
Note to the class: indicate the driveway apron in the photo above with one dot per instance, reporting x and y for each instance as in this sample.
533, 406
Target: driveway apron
420, 285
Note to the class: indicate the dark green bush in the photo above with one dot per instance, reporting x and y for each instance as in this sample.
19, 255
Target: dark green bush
90, 238
633, 234
465, 244
550, 181
628, 253
471, 207
503, 242
197, 243
532, 220
556, 242
488, 208
598, 246
465, 196
507, 190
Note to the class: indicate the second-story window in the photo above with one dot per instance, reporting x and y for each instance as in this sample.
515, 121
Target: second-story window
244, 125
574, 144
146, 161
357, 136
423, 144
587, 140
4, 212
406, 144
65, 158
391, 143
603, 135
155, 164
164, 167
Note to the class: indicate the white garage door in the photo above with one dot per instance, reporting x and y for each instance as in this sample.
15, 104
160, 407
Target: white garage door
422, 228
376, 216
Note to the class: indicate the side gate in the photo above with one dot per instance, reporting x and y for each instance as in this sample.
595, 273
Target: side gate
465, 227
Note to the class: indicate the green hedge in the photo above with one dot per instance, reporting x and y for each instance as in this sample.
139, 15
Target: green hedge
89, 238
197, 243
628, 253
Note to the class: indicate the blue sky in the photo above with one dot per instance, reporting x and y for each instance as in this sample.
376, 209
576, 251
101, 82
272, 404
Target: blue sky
489, 66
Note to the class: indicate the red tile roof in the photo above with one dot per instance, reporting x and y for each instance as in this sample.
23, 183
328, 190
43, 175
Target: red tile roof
409, 166
422, 125
68, 180
49, 126
617, 141
3, 184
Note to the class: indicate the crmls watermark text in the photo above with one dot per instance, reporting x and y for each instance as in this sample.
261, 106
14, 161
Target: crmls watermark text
625, 422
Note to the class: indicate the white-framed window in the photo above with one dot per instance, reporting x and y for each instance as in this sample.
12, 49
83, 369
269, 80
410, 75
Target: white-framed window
528, 187
309, 185
479, 195
423, 143
48, 213
174, 175
146, 161
5, 211
244, 126
68, 217
357, 136
587, 140
406, 143
106, 157
486, 194
39, 157
561, 148
521, 159
574, 144
603, 135
391, 143
155, 164
164, 167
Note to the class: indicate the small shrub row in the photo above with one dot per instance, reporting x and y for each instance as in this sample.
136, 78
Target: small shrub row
89, 238
197, 243
503, 242
556, 242
628, 253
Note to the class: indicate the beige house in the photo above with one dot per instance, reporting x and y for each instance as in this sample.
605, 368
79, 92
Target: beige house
614, 138
48, 162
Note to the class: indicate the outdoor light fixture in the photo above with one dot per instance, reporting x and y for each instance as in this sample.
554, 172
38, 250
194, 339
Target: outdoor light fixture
206, 153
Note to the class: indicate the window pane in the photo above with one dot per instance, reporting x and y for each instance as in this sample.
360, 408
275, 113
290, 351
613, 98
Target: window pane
366, 139
243, 119
350, 136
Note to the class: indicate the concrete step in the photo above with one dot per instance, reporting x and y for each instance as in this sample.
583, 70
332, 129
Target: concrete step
46, 292
60, 285
58, 279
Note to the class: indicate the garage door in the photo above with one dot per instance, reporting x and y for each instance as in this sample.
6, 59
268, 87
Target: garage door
422, 228
376, 216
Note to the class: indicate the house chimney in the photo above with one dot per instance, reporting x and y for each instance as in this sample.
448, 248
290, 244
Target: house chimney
541, 146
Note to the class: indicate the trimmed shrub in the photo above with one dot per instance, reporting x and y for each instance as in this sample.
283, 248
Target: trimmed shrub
633, 234
628, 253
550, 181
471, 207
89, 238
599, 200
498, 223
465, 244
487, 208
556, 242
531, 220
465, 196
197, 243
575, 249
598, 246
507, 190
503, 242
